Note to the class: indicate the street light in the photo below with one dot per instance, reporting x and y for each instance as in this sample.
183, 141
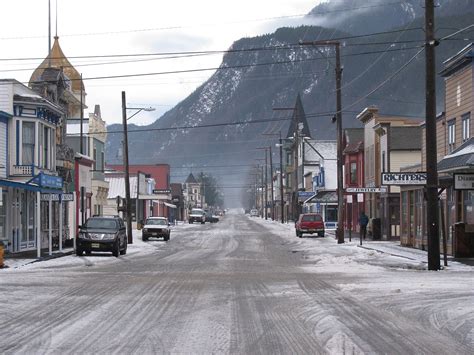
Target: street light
125, 162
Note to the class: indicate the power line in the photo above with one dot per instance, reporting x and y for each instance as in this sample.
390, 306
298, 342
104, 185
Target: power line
167, 28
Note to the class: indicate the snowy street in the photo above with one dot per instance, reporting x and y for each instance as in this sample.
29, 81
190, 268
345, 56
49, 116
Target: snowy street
243, 285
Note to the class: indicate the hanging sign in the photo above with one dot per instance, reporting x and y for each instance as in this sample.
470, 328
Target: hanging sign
57, 197
464, 181
366, 189
398, 179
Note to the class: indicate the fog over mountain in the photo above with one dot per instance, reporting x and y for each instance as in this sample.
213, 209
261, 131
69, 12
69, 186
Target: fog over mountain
268, 71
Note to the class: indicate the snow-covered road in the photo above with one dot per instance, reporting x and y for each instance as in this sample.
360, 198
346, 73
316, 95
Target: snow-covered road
239, 286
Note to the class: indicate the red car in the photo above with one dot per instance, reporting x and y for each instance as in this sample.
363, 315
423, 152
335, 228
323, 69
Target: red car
309, 223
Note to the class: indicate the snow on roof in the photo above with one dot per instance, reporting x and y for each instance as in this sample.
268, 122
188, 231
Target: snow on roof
117, 187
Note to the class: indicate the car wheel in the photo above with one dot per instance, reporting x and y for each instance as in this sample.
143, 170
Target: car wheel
116, 250
321, 235
88, 252
166, 238
144, 238
203, 222
79, 251
300, 235
124, 250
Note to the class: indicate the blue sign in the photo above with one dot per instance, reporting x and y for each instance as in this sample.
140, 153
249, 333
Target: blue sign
51, 181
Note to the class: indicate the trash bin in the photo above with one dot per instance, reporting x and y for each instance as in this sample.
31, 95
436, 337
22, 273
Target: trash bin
376, 228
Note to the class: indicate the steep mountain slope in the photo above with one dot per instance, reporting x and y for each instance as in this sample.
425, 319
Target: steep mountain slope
268, 71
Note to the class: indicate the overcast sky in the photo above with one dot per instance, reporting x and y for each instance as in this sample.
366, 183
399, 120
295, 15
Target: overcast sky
105, 27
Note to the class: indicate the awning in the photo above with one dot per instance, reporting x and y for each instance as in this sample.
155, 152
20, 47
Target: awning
29, 187
169, 205
461, 159
323, 197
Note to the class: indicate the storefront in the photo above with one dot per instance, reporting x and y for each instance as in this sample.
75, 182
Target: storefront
30, 218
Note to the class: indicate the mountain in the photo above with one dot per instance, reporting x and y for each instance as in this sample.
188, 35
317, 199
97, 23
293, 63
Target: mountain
260, 73
362, 16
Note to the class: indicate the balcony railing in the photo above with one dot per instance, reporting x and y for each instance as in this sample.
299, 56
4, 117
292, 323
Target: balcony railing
29, 170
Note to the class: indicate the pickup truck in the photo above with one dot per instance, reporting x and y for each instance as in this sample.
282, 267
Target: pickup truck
197, 215
309, 223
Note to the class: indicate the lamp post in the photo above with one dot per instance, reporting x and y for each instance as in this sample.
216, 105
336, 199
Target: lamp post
340, 195
125, 163
280, 145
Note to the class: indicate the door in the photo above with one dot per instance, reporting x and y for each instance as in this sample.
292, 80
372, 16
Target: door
27, 219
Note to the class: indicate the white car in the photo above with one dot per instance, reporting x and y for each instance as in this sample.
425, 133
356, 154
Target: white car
254, 213
156, 227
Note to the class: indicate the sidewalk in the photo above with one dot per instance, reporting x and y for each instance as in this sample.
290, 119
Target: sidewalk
18, 260
394, 248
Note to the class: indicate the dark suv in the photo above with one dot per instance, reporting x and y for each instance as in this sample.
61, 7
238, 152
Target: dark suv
102, 234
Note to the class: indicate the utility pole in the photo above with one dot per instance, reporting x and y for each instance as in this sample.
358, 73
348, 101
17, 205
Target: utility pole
432, 214
127, 173
340, 194
282, 199
271, 184
266, 185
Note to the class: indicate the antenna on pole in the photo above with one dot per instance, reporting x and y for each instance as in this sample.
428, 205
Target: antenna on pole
56, 19
49, 33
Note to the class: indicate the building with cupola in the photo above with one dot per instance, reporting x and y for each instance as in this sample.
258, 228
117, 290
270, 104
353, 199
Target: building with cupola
42, 191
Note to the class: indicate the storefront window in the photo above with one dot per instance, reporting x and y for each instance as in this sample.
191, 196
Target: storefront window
404, 207
3, 219
469, 207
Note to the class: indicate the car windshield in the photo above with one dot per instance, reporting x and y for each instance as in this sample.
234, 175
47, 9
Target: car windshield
101, 223
156, 222
312, 218
196, 211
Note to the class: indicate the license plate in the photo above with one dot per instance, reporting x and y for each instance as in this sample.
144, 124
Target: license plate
95, 245
154, 233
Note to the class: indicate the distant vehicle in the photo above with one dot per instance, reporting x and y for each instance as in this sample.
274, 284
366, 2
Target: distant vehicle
254, 213
197, 215
309, 223
211, 218
156, 227
102, 234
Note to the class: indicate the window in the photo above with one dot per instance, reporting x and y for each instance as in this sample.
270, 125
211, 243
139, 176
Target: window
353, 172
102, 161
28, 143
46, 143
466, 126
95, 159
451, 135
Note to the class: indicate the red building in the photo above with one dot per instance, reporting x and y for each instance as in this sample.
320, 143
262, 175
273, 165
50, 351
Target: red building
353, 151
161, 174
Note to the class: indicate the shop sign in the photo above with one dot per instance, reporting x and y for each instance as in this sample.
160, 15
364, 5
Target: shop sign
366, 189
51, 181
57, 197
161, 191
398, 179
464, 181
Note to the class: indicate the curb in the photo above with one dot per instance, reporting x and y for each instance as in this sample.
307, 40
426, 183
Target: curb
392, 254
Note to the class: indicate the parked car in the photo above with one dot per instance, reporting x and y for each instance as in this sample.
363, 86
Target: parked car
156, 227
254, 213
211, 218
102, 233
197, 215
309, 223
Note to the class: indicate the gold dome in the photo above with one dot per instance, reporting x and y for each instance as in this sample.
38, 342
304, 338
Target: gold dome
59, 60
